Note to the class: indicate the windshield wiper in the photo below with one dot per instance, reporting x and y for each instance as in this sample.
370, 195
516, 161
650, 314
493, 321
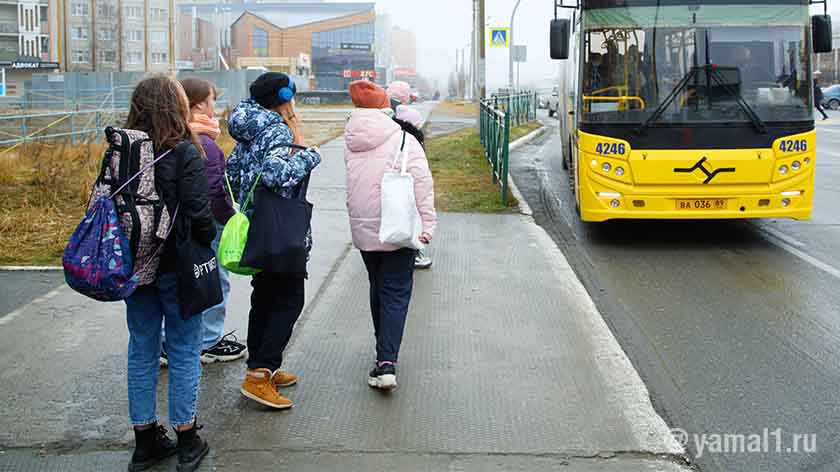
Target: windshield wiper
715, 75
681, 85
754, 118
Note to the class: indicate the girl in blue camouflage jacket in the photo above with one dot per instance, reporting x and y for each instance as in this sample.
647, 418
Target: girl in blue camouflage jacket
261, 125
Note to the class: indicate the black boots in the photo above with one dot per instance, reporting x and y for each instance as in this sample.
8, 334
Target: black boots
152, 447
191, 449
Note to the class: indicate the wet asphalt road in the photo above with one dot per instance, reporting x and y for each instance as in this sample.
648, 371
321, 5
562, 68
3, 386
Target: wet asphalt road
734, 326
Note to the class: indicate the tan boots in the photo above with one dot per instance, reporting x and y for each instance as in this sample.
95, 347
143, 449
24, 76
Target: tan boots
261, 386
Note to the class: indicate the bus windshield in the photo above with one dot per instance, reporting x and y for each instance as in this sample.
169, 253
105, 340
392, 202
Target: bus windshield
636, 57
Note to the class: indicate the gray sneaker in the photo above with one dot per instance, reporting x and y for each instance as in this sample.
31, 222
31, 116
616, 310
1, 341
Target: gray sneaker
422, 261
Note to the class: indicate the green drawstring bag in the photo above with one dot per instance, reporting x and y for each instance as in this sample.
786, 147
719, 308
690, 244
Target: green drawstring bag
235, 236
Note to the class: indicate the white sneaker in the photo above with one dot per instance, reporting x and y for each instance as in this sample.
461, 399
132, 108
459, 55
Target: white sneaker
383, 378
422, 261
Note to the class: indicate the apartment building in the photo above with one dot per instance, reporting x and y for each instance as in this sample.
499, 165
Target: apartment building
119, 35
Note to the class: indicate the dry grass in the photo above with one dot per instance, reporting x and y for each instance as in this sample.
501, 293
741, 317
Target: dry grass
457, 109
43, 193
44, 189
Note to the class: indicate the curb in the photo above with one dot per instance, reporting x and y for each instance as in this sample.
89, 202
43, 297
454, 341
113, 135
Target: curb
524, 208
30, 268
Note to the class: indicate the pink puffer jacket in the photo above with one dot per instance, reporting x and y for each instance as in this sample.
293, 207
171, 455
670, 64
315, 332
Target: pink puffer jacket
371, 142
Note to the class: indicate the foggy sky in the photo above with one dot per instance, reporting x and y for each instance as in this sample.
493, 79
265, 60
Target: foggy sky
442, 26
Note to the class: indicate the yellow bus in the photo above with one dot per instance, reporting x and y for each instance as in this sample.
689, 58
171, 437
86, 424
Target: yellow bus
699, 109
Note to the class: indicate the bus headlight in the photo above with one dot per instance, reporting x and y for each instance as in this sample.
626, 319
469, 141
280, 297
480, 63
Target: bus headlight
615, 203
606, 167
796, 165
783, 170
619, 171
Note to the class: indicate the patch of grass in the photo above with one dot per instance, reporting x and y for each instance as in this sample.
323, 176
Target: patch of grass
43, 192
524, 130
457, 109
463, 181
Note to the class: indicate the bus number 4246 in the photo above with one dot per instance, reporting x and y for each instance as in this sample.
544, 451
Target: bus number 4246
793, 145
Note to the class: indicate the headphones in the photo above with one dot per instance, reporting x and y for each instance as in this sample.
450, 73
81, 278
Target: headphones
287, 93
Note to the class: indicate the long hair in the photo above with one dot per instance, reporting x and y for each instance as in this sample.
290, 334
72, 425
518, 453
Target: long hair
159, 107
198, 90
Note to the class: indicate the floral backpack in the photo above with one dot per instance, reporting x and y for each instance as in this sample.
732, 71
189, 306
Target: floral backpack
116, 247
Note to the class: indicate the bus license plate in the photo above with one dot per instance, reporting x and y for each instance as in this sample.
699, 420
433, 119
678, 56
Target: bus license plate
701, 204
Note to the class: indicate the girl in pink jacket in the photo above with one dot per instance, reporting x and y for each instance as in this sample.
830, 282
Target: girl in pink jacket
372, 140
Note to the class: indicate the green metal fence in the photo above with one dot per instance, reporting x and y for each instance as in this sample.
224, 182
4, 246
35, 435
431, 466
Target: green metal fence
522, 106
494, 127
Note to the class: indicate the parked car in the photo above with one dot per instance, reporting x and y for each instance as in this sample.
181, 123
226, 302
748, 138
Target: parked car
831, 97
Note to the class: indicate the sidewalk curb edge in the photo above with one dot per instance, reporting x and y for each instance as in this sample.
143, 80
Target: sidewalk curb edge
524, 208
31, 268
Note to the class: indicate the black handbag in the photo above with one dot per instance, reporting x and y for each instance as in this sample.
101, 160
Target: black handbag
199, 285
277, 235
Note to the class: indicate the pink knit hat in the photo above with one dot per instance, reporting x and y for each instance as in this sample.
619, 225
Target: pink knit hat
410, 115
400, 91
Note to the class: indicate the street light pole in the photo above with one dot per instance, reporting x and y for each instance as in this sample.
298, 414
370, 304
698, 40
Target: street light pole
510, 43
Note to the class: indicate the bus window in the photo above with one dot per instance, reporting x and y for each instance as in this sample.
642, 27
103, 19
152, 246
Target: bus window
634, 57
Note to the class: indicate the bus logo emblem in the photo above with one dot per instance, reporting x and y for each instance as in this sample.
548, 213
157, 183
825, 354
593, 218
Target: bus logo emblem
709, 174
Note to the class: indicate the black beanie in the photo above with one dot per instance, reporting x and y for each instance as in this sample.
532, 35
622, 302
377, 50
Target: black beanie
266, 89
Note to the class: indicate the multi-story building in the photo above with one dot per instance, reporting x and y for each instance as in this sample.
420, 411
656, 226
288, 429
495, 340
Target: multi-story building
384, 52
335, 41
404, 47
118, 35
26, 40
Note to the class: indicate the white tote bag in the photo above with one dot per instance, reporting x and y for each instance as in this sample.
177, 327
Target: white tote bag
400, 223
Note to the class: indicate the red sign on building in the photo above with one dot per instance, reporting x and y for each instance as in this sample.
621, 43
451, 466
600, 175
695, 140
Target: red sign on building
358, 74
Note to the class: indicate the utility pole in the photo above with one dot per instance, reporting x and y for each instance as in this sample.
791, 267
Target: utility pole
92, 35
120, 37
482, 90
511, 43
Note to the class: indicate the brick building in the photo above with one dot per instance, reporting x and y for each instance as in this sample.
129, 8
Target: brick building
338, 39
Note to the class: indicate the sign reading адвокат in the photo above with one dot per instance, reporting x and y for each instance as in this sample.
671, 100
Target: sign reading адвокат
28, 65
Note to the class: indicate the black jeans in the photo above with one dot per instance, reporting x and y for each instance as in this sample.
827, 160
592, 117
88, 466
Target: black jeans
819, 108
391, 276
276, 304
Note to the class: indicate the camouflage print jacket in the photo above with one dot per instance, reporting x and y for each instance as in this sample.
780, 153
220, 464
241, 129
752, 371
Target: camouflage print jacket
259, 134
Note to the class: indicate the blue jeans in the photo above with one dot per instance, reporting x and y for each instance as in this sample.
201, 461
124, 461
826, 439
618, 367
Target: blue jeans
147, 308
391, 276
213, 319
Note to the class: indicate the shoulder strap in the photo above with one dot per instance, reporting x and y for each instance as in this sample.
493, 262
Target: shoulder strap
143, 170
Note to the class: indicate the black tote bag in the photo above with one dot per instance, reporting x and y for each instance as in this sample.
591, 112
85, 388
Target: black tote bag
199, 285
277, 235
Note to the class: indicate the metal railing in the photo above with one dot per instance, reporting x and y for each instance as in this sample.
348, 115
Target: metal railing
522, 106
494, 125
76, 126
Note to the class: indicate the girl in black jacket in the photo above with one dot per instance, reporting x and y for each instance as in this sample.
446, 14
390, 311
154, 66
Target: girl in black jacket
159, 107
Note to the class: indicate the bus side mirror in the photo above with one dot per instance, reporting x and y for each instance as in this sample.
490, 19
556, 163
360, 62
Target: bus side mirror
560, 39
821, 31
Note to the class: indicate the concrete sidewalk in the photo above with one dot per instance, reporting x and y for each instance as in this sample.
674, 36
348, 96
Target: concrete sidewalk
506, 365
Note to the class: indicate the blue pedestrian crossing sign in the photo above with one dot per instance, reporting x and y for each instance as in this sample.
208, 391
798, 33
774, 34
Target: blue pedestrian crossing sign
499, 37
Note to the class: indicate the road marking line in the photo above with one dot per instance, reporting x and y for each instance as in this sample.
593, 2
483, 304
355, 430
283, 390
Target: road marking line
784, 237
780, 242
14, 314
